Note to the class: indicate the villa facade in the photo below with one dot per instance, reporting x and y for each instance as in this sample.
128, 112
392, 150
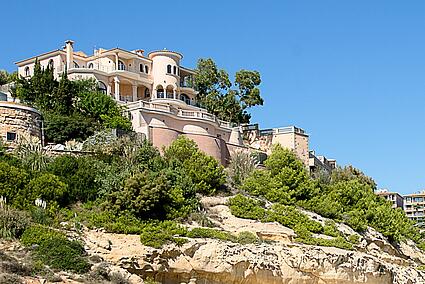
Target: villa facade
156, 90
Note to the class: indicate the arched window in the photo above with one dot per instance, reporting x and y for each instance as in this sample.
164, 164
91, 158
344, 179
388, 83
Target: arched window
141, 68
175, 70
185, 98
169, 69
27, 71
101, 87
91, 66
51, 64
169, 92
146, 69
121, 65
76, 65
147, 93
159, 92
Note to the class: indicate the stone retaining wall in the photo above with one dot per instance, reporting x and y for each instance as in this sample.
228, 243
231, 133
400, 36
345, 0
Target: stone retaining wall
24, 121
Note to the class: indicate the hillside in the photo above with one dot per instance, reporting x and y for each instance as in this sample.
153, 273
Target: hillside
125, 213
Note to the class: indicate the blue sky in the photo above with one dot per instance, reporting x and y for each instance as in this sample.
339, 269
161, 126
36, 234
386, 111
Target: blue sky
351, 73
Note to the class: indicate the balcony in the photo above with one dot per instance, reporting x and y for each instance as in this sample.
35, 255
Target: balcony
102, 68
190, 114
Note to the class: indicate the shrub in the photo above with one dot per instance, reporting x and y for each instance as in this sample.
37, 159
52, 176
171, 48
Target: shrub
13, 222
80, 174
205, 172
12, 183
330, 229
144, 195
212, 234
37, 234
354, 239
60, 253
47, 187
156, 234
247, 208
290, 216
242, 164
55, 250
247, 238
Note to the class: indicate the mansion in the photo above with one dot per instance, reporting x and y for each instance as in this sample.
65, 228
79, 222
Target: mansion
159, 97
156, 90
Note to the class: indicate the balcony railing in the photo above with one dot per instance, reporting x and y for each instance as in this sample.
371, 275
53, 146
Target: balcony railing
103, 68
193, 114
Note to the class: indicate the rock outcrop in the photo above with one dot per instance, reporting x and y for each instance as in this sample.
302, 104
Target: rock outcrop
276, 260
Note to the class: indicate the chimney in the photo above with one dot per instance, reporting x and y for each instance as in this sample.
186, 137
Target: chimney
69, 53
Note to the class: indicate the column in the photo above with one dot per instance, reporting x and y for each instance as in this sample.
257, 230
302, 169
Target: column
117, 88
116, 61
175, 94
134, 93
109, 89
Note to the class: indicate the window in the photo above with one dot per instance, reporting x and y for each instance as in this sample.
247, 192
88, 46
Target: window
91, 66
27, 71
76, 65
169, 69
141, 68
146, 69
175, 70
185, 98
121, 65
101, 87
10, 136
159, 92
51, 64
147, 93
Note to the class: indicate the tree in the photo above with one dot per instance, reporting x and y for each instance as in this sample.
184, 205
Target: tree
217, 96
4, 77
72, 110
144, 195
205, 172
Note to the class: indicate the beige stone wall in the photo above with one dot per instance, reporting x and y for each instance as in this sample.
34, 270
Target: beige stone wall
297, 142
19, 119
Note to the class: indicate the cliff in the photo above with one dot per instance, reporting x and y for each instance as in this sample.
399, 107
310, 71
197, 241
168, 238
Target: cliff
277, 259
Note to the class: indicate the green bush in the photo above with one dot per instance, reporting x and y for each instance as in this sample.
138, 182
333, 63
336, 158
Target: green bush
12, 184
60, 253
247, 238
55, 250
290, 216
47, 187
212, 234
354, 239
330, 229
80, 174
13, 222
144, 195
37, 234
205, 172
247, 208
156, 234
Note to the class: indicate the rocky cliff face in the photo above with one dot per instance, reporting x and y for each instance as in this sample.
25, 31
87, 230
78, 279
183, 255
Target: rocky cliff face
276, 260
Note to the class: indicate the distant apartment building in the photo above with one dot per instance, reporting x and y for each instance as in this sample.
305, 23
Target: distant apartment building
320, 163
414, 206
290, 137
395, 198
156, 90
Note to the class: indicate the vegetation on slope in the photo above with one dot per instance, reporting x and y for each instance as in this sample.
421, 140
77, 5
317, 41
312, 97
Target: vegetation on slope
71, 109
347, 195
